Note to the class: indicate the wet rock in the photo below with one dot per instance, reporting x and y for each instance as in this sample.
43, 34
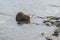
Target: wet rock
48, 39
48, 23
52, 38
40, 17
53, 18
57, 23
22, 18
55, 34
42, 34
51, 23
58, 30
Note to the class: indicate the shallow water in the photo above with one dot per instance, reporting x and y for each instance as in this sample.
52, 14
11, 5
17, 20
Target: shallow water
10, 30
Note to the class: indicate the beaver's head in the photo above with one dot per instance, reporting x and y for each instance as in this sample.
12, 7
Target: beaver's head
21, 17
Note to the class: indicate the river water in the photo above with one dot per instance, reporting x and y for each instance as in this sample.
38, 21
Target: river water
10, 30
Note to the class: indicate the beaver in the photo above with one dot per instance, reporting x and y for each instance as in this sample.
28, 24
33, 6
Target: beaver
22, 18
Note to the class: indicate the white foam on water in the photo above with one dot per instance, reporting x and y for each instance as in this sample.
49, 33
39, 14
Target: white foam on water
2, 21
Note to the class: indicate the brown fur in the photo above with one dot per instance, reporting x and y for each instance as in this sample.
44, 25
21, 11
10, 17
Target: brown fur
21, 17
